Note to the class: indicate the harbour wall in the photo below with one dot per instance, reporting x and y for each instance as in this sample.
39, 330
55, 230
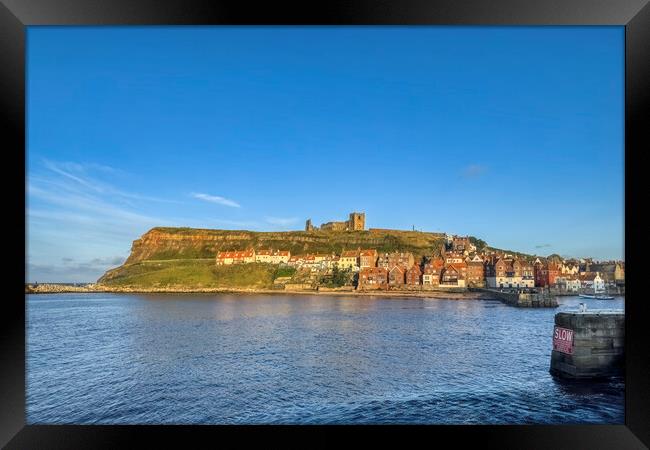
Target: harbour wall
523, 300
596, 348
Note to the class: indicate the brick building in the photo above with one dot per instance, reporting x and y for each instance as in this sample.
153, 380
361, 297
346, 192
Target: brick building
475, 272
402, 259
367, 258
373, 278
461, 244
540, 273
552, 271
454, 257
454, 275
414, 275
432, 271
510, 273
396, 276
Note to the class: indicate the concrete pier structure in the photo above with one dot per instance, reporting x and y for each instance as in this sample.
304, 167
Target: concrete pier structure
523, 300
588, 344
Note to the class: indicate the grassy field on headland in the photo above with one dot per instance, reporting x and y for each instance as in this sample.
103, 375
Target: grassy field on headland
192, 274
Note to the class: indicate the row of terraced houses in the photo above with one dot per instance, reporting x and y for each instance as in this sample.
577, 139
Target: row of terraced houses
459, 265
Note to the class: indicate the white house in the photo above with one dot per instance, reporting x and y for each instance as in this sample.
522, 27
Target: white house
454, 258
237, 257
599, 283
280, 257
570, 283
591, 280
263, 256
573, 284
272, 256
349, 260
475, 259
569, 269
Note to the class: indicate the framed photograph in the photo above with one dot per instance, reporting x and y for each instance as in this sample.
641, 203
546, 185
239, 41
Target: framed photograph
358, 217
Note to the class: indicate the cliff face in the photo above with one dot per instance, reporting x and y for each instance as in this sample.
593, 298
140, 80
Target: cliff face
190, 243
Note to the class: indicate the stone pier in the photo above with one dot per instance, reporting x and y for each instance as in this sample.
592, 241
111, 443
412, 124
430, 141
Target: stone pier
588, 344
523, 300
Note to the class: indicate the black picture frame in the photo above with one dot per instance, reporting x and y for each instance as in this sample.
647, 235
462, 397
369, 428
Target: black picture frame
15, 15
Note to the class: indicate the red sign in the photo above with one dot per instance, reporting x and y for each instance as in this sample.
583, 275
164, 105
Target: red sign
563, 340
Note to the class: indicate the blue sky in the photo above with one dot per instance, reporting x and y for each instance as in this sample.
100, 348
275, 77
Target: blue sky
512, 134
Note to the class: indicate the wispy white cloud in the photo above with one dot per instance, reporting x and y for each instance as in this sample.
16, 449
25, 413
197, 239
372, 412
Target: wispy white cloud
216, 199
100, 208
66, 169
281, 221
474, 171
80, 174
104, 168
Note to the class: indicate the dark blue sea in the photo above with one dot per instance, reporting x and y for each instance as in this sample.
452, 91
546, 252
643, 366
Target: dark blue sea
235, 359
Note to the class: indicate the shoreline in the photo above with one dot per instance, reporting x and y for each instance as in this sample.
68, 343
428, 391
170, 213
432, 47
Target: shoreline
441, 294
351, 293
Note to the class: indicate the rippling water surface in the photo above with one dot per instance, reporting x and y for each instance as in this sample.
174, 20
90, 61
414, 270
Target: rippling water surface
177, 359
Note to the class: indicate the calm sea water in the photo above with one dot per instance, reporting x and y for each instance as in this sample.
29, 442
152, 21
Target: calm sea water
212, 359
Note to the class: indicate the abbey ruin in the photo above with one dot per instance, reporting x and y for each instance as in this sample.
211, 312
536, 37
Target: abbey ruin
356, 222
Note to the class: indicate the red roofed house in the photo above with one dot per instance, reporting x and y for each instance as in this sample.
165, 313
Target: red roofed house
500, 273
553, 271
432, 271
309, 262
373, 278
237, 257
546, 274
263, 256
460, 244
454, 275
414, 275
475, 272
280, 256
510, 273
367, 258
396, 276
403, 259
454, 257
